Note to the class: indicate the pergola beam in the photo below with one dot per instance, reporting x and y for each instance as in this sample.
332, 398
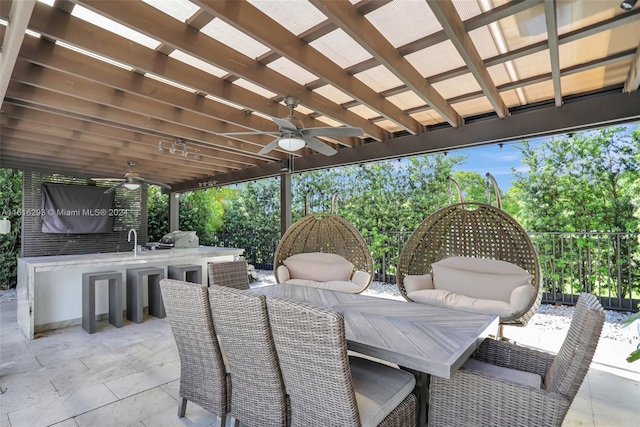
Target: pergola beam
168, 30
455, 30
551, 19
250, 20
19, 17
352, 22
632, 82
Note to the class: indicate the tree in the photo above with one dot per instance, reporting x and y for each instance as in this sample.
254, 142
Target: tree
252, 219
473, 186
158, 213
201, 211
11, 203
584, 183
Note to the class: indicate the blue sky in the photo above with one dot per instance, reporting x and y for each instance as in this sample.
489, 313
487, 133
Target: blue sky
498, 161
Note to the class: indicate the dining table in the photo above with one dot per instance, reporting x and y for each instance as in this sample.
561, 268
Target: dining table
423, 339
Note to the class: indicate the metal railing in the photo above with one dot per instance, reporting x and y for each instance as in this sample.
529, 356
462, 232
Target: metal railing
605, 264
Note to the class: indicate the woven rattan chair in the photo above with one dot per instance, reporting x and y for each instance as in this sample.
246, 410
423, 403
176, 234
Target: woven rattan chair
475, 230
471, 398
257, 393
327, 233
327, 388
232, 274
203, 379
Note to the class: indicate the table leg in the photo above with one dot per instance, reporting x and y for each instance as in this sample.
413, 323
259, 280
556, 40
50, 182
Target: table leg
422, 393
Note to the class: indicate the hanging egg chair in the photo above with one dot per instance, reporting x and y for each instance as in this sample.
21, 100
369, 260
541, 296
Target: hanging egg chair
325, 233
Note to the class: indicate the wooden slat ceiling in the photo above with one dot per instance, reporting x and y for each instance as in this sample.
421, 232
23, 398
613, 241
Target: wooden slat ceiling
88, 85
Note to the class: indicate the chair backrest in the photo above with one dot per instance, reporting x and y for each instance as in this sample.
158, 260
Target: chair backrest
312, 349
203, 378
257, 390
232, 274
572, 362
475, 230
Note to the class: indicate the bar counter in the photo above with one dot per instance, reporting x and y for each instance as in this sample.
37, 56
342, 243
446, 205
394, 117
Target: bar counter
50, 287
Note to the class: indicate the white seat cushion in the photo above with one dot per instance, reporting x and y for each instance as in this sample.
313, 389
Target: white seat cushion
318, 266
512, 375
379, 389
443, 298
489, 279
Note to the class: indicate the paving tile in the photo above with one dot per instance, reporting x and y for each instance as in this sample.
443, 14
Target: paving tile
143, 381
62, 356
42, 375
195, 416
70, 384
130, 410
17, 364
66, 423
21, 396
581, 411
63, 408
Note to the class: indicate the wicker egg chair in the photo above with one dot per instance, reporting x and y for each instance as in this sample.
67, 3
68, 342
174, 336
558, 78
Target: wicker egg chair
476, 230
328, 233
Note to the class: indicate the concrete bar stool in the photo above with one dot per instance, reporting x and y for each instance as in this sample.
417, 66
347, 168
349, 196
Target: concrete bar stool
116, 293
135, 293
186, 272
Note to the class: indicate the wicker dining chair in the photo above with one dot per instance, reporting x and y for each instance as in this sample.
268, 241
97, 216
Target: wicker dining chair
232, 274
258, 396
477, 397
203, 378
475, 230
325, 386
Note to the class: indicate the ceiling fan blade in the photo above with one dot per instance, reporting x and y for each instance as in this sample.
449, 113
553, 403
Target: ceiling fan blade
246, 133
112, 189
285, 124
270, 146
319, 146
333, 131
159, 184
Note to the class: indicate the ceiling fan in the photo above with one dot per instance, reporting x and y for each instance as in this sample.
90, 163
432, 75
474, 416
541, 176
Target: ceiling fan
292, 135
131, 180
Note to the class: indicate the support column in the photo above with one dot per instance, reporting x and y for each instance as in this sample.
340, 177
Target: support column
285, 202
174, 211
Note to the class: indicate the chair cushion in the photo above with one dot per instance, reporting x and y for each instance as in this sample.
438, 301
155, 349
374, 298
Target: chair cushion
481, 278
379, 389
318, 266
417, 282
512, 375
444, 298
333, 285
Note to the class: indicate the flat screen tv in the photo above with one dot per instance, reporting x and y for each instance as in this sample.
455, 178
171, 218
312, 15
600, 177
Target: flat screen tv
76, 209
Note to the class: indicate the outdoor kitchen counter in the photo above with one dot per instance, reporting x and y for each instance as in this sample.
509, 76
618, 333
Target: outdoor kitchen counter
50, 287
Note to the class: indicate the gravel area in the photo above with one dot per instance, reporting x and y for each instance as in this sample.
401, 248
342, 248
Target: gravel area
549, 317
8, 295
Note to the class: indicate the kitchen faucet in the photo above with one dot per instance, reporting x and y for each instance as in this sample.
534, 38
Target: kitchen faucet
135, 241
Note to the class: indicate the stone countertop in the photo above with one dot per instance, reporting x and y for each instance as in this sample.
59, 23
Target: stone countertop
121, 258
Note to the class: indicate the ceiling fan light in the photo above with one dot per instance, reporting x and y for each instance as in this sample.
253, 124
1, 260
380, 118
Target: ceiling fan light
290, 143
628, 4
131, 185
